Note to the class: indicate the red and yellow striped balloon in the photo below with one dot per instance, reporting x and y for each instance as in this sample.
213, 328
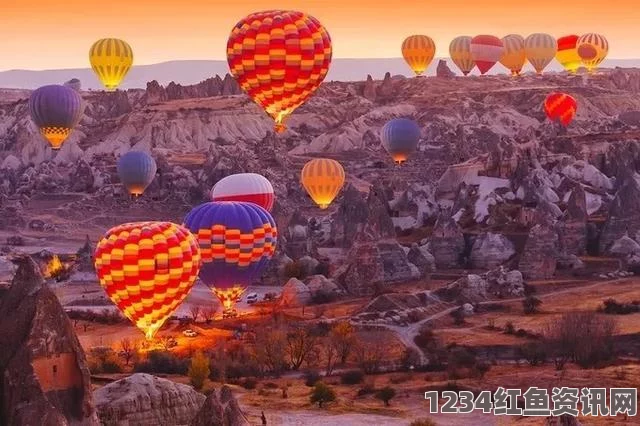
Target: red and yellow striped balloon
418, 52
279, 58
323, 179
147, 269
560, 107
592, 48
567, 53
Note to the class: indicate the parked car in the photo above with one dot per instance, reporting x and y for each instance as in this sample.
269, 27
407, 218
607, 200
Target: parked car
229, 313
190, 333
252, 298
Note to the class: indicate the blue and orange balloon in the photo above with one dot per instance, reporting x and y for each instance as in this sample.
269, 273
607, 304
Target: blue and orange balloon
237, 240
400, 138
136, 170
56, 110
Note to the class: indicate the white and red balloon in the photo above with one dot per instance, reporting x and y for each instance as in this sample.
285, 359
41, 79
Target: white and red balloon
248, 187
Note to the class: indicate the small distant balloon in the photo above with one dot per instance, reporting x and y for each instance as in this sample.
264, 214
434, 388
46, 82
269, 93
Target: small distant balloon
56, 110
593, 49
418, 51
247, 187
560, 107
74, 84
540, 49
111, 60
279, 58
513, 57
567, 54
323, 179
486, 50
136, 170
460, 52
400, 138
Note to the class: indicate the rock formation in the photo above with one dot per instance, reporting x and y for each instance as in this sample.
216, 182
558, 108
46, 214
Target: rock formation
491, 250
422, 258
443, 69
43, 371
146, 400
472, 288
539, 257
447, 242
220, 409
295, 293
623, 213
573, 228
352, 214
299, 242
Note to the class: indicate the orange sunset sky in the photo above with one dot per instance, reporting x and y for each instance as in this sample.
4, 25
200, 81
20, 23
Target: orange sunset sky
47, 34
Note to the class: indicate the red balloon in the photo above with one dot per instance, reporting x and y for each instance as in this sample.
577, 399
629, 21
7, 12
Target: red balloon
486, 50
560, 107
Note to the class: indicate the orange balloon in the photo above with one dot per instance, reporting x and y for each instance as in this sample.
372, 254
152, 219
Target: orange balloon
561, 107
147, 269
279, 58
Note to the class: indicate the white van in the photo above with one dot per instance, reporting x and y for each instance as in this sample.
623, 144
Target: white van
252, 298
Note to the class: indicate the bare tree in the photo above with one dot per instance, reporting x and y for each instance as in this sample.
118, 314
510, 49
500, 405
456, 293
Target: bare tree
300, 344
343, 338
195, 311
271, 349
330, 357
209, 313
166, 342
127, 349
369, 354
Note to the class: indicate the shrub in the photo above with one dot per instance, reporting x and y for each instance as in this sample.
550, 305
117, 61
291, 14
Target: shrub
386, 394
352, 377
611, 306
198, 370
423, 422
321, 394
534, 353
311, 377
367, 389
530, 304
249, 383
103, 360
161, 362
509, 328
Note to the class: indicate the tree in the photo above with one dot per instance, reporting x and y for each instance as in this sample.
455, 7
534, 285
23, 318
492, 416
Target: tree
321, 394
386, 394
198, 370
271, 350
166, 342
369, 354
300, 344
209, 313
195, 311
343, 337
127, 350
330, 357
531, 304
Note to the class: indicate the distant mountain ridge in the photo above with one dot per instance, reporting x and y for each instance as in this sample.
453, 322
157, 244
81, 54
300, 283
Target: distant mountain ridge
194, 71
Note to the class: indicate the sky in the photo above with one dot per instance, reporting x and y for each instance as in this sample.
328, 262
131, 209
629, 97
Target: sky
46, 34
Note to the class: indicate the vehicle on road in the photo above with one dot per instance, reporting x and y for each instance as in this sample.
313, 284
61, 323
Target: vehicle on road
252, 298
230, 313
190, 333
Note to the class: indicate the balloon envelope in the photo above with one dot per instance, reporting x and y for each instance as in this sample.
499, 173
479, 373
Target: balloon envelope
540, 49
486, 50
560, 107
249, 187
147, 269
279, 58
111, 59
323, 179
460, 52
136, 170
593, 49
400, 138
56, 110
513, 57
418, 51
236, 240
567, 54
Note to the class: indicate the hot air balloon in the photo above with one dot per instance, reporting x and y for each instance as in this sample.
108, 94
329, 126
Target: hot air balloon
236, 240
400, 138
567, 54
56, 110
136, 170
279, 58
249, 187
74, 84
418, 51
592, 48
560, 107
147, 269
486, 50
460, 52
540, 50
323, 179
111, 60
513, 57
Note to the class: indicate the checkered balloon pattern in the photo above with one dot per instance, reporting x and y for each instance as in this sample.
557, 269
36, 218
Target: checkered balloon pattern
279, 58
147, 269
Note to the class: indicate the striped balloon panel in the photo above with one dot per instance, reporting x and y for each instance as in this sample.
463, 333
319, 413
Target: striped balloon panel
228, 296
147, 269
136, 170
323, 179
111, 60
237, 240
400, 138
418, 51
593, 49
540, 50
460, 52
486, 50
279, 58
560, 107
55, 110
249, 187
513, 57
567, 54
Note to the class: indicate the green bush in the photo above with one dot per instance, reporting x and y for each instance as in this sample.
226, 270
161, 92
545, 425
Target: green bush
352, 377
322, 394
386, 394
